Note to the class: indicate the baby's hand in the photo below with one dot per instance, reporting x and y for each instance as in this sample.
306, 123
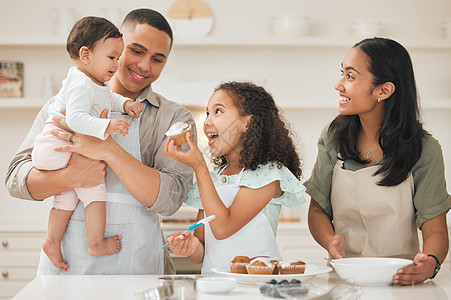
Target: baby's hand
133, 108
183, 245
118, 126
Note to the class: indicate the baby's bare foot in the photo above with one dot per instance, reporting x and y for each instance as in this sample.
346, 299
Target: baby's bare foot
107, 246
53, 251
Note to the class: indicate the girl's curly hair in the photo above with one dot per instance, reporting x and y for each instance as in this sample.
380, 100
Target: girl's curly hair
267, 138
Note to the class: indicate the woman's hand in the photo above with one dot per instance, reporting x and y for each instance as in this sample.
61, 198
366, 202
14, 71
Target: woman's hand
336, 247
184, 245
423, 267
193, 157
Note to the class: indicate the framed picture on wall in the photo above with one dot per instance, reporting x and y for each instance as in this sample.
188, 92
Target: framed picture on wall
11, 79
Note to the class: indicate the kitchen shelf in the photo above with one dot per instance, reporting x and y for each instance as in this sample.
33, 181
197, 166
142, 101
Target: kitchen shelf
33, 41
24, 102
212, 41
443, 104
36, 102
306, 41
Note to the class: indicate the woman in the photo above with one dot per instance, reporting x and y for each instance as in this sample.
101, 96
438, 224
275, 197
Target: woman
378, 173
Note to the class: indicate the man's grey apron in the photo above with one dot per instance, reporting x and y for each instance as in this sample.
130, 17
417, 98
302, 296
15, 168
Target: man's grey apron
141, 251
373, 220
254, 239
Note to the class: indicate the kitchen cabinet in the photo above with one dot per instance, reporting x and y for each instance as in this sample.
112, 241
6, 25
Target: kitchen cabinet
19, 258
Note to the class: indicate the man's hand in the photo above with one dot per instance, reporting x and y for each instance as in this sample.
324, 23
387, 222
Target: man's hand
85, 172
85, 145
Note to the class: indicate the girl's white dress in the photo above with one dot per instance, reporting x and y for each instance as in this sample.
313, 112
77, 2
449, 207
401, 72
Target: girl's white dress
258, 237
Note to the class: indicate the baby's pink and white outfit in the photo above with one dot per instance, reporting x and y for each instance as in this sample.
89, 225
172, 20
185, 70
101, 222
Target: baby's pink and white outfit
84, 101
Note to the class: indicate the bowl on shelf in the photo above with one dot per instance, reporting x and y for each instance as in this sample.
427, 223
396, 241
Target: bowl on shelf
289, 25
366, 28
368, 271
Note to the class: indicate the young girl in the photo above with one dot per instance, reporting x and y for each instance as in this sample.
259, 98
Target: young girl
379, 175
258, 170
94, 45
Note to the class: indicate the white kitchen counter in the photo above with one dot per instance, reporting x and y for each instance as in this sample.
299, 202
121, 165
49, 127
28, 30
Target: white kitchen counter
119, 287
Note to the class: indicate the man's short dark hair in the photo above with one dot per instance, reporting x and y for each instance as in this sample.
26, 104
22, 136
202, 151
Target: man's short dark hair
87, 31
150, 17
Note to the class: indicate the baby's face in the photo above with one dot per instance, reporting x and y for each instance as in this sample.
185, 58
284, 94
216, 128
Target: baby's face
103, 59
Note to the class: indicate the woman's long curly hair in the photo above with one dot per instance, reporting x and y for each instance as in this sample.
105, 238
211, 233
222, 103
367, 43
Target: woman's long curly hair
401, 132
267, 138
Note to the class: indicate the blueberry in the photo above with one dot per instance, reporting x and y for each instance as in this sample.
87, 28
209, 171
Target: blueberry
273, 281
284, 282
295, 281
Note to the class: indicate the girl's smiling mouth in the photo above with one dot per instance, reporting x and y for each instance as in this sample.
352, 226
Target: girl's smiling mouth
212, 138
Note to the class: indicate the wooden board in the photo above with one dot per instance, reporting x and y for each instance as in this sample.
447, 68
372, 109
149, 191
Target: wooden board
190, 9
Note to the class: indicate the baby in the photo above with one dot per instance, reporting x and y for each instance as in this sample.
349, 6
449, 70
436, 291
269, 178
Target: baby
94, 45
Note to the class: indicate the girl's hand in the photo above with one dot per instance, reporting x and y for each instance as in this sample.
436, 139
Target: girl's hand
337, 247
423, 267
183, 245
193, 157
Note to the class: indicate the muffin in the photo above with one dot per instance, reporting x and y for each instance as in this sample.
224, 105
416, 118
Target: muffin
177, 132
260, 266
292, 267
275, 262
276, 266
239, 263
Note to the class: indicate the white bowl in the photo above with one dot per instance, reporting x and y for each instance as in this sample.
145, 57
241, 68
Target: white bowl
366, 28
216, 284
369, 271
289, 25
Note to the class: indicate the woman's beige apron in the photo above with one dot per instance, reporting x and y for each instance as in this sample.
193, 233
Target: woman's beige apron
141, 252
254, 239
373, 220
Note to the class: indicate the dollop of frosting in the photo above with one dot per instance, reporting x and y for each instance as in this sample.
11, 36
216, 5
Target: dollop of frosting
264, 260
291, 263
177, 128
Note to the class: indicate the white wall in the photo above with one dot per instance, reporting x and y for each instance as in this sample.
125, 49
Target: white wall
291, 74
404, 18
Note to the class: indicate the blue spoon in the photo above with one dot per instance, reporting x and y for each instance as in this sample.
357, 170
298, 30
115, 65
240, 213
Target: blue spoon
195, 225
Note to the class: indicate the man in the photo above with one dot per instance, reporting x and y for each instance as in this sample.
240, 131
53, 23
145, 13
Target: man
141, 181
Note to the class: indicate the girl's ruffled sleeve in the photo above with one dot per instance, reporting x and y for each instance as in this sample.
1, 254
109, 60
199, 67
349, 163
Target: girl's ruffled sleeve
293, 190
193, 198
